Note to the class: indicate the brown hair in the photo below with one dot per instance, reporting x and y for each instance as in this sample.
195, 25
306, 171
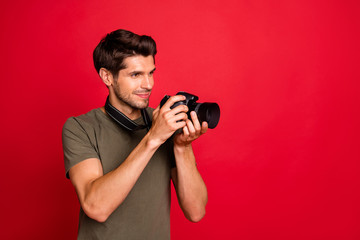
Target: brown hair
118, 45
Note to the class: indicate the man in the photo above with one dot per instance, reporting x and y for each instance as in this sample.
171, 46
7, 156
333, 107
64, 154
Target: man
119, 163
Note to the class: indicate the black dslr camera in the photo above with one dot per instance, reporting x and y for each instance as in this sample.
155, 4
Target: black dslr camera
209, 112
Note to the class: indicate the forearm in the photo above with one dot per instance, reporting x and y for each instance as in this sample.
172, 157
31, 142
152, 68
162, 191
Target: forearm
190, 187
106, 193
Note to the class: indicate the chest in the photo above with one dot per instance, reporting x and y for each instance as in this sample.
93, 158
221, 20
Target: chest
115, 144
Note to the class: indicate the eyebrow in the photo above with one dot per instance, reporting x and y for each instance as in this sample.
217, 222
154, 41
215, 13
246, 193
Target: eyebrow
134, 72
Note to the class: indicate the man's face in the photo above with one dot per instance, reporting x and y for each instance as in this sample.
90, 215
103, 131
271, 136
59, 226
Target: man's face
134, 83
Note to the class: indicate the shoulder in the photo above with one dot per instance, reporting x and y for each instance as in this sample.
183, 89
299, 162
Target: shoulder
84, 121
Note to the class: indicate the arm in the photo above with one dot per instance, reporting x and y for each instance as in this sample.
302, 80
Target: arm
190, 187
99, 194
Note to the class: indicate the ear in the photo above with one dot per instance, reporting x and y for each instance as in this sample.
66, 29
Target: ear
106, 76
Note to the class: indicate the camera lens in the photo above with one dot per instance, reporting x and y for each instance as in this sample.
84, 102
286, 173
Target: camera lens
209, 112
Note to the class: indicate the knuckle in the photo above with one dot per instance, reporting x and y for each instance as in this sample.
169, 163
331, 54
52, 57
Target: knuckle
166, 116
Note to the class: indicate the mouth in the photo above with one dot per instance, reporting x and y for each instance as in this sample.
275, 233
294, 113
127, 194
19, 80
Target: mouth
143, 95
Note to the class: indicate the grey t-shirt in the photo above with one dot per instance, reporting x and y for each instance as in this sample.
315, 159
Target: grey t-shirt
145, 213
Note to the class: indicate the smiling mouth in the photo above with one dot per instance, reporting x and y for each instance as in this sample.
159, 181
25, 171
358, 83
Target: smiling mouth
143, 95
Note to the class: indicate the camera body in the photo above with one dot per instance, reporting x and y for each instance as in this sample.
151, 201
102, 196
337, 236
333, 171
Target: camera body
190, 101
209, 112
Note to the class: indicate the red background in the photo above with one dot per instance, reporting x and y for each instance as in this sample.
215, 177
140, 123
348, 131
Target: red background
283, 162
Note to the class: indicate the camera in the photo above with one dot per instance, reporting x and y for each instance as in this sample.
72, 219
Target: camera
207, 111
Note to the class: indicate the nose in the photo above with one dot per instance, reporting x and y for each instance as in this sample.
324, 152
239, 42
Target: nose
147, 82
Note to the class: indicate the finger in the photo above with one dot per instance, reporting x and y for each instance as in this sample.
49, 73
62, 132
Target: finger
178, 109
180, 117
204, 127
195, 122
191, 128
170, 117
179, 125
173, 100
186, 131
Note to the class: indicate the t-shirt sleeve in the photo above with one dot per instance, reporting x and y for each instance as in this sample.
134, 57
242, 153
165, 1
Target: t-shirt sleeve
77, 144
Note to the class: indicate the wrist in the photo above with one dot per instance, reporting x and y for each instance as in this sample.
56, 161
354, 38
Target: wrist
181, 148
151, 142
184, 155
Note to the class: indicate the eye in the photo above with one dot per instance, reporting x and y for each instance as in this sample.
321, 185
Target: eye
135, 74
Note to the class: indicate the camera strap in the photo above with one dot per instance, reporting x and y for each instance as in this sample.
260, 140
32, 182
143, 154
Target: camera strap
124, 121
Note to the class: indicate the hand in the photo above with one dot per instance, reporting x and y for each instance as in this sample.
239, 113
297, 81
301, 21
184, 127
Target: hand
191, 131
166, 121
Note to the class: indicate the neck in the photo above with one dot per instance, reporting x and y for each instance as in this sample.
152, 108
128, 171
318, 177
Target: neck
130, 112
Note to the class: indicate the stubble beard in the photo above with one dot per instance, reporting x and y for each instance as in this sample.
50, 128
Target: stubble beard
141, 104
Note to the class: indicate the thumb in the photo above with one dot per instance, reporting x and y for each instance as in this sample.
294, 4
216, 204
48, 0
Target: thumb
156, 112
